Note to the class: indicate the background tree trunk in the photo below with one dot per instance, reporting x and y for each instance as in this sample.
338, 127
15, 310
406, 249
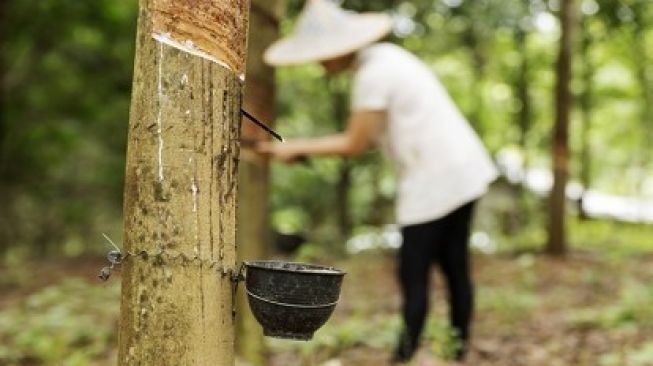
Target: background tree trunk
560, 153
479, 62
181, 183
343, 184
5, 227
4, 5
522, 92
643, 71
523, 121
586, 114
254, 232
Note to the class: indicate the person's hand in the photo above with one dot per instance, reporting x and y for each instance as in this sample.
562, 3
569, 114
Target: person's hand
280, 151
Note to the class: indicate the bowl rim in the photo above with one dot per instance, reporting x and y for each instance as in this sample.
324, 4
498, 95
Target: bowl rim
318, 269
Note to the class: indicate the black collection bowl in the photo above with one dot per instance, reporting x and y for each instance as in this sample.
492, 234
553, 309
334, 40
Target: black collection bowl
292, 300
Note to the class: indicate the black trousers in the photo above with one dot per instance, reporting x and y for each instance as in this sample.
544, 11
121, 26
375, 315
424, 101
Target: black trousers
443, 241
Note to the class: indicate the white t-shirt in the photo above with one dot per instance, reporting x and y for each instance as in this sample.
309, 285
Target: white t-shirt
441, 162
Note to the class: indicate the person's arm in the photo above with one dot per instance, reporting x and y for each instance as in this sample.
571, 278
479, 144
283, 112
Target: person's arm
362, 128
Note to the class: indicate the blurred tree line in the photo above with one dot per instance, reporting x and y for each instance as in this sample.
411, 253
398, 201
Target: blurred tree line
66, 70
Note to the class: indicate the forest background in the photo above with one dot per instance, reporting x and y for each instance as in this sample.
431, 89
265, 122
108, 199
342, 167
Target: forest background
65, 76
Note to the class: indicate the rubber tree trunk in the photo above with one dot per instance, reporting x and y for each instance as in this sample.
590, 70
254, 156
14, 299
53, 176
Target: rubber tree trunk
254, 232
557, 244
181, 184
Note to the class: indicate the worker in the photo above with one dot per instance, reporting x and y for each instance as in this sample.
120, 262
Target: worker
442, 166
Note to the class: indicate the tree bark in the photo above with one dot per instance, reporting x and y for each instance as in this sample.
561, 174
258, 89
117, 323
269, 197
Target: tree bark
557, 245
254, 232
181, 183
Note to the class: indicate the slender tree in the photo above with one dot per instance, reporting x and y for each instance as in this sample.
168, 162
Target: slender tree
645, 79
254, 232
474, 41
4, 211
523, 121
343, 184
4, 4
522, 87
181, 183
586, 111
560, 152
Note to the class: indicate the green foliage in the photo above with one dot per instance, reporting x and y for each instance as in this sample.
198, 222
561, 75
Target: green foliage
67, 77
632, 310
639, 357
66, 324
613, 239
441, 339
312, 253
509, 305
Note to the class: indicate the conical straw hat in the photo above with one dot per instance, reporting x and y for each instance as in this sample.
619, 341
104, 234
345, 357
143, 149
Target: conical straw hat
326, 31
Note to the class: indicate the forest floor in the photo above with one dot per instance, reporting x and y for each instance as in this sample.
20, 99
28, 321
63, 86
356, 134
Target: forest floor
531, 310
591, 309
